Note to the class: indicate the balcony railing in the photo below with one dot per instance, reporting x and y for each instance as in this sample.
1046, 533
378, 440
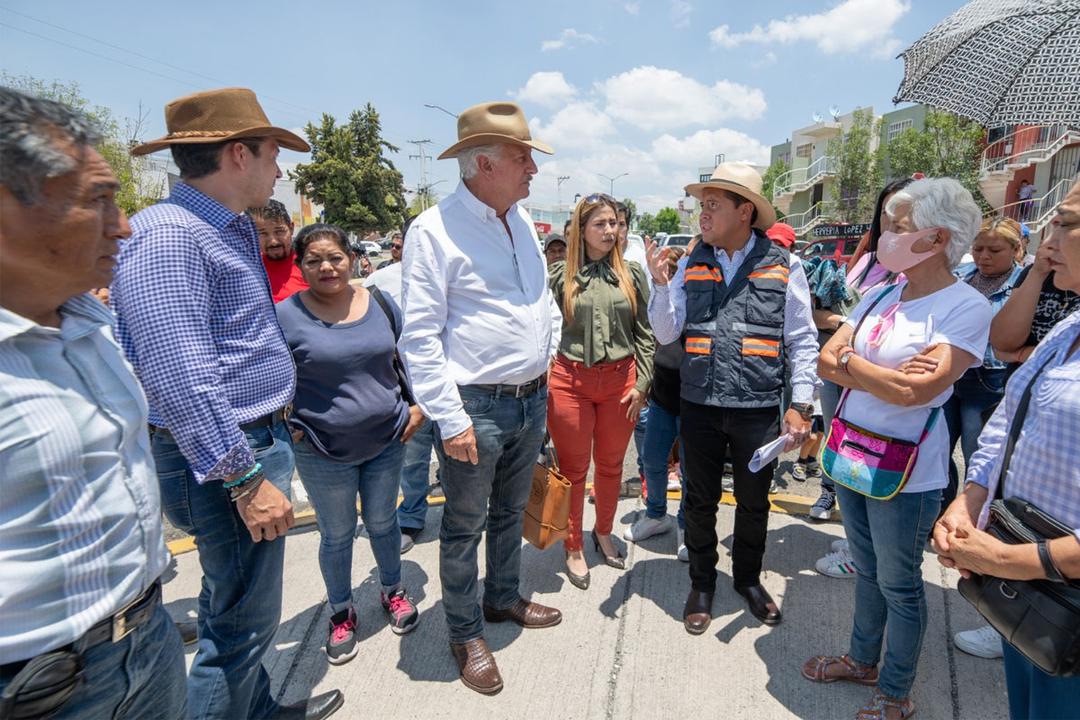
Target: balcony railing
800, 179
820, 212
1037, 212
1026, 146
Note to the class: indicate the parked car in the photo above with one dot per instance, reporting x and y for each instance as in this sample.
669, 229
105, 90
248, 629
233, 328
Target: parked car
370, 248
838, 249
680, 239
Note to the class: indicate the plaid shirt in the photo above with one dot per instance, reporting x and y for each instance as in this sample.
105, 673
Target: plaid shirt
195, 317
1045, 466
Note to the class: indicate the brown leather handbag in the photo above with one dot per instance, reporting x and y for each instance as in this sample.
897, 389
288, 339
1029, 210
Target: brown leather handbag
547, 516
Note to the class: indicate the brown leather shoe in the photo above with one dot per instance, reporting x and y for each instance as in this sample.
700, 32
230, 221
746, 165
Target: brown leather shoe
526, 614
697, 614
761, 604
477, 666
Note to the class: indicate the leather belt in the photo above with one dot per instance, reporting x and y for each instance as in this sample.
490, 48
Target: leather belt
516, 391
260, 422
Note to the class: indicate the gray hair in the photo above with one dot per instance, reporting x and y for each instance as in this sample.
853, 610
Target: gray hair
32, 130
467, 158
944, 203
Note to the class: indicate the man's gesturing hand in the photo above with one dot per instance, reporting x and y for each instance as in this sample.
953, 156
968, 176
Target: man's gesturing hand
462, 447
267, 513
656, 259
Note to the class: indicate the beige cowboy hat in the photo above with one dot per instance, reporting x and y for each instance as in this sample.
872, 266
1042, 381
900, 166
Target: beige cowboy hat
493, 122
743, 180
216, 116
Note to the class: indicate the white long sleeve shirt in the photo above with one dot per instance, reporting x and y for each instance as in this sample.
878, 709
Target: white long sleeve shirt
667, 314
476, 303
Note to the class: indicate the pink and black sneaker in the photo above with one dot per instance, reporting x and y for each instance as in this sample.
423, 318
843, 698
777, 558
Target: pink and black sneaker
341, 646
403, 614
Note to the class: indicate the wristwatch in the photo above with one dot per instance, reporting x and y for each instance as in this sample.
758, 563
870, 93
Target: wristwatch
845, 359
804, 409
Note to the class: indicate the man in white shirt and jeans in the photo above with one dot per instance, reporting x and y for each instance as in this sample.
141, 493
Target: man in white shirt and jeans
480, 330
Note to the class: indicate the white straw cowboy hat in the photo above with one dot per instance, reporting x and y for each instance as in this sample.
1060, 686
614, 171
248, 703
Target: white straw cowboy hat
743, 180
217, 116
493, 122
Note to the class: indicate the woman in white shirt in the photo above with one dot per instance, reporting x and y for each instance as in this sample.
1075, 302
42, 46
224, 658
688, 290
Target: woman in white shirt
918, 337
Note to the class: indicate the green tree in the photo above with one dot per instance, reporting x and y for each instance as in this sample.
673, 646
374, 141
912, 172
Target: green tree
667, 220
631, 206
139, 184
646, 224
358, 187
949, 146
858, 178
422, 200
768, 181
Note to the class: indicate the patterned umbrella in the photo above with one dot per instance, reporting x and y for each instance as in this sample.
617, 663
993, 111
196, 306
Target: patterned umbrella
1000, 62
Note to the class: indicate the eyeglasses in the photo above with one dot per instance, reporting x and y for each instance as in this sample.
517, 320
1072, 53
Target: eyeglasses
598, 198
396, 246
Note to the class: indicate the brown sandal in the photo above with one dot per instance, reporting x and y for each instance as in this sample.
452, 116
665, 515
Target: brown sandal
817, 670
880, 704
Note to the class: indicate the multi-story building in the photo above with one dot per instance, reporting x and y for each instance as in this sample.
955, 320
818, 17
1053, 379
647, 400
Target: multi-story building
1047, 157
804, 194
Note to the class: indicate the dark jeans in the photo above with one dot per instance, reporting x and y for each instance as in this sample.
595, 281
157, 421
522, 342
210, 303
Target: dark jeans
415, 473
1034, 694
976, 392
240, 601
830, 398
709, 434
142, 676
660, 437
639, 437
490, 495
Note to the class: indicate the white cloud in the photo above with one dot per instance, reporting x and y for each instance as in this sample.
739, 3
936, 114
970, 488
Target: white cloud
653, 98
632, 7
548, 89
700, 148
680, 13
568, 38
850, 26
578, 125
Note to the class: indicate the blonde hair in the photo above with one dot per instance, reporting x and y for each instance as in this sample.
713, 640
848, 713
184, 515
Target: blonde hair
575, 256
1005, 228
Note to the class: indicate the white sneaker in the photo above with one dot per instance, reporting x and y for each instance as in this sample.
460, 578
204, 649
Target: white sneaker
836, 565
645, 528
840, 545
674, 480
680, 540
981, 642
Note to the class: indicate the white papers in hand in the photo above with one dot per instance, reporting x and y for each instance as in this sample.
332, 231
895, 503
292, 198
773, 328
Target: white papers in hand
767, 453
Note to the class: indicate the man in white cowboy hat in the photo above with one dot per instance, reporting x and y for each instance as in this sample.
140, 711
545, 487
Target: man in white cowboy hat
196, 319
479, 333
743, 305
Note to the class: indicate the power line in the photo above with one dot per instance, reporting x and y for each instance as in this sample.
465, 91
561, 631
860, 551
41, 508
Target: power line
216, 81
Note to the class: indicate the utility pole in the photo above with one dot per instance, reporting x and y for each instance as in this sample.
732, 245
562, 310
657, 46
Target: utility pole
422, 188
558, 190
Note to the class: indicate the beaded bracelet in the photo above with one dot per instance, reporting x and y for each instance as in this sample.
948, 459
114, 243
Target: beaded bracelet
245, 490
245, 477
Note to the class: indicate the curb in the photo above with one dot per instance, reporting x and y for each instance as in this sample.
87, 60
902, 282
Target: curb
779, 503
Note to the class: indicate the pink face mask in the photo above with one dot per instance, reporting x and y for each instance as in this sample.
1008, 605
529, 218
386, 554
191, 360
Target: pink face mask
894, 250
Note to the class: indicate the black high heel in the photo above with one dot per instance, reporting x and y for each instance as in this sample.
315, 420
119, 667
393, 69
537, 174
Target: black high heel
578, 581
615, 561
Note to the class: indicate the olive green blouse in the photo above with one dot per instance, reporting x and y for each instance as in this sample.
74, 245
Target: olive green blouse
604, 329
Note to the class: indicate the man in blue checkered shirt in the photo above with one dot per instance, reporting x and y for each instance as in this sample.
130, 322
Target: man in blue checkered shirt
196, 319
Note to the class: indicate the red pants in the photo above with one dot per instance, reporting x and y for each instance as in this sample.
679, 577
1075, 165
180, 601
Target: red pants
585, 418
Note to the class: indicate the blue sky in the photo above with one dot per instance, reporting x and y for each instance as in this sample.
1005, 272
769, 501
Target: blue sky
653, 88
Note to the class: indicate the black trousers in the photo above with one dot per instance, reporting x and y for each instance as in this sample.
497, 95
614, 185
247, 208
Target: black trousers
708, 435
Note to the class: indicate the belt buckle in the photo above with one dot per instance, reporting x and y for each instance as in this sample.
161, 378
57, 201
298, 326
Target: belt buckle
120, 629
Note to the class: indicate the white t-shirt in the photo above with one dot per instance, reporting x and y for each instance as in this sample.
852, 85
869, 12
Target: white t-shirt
957, 315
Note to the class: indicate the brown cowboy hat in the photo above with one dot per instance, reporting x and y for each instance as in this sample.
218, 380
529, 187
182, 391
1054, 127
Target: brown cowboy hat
216, 116
493, 122
743, 180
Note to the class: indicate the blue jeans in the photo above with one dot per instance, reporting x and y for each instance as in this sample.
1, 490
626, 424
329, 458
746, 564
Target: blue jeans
830, 398
490, 495
142, 676
639, 437
415, 472
887, 539
977, 391
660, 436
1034, 694
240, 600
333, 487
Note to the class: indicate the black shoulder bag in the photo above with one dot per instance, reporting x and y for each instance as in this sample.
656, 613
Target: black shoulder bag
403, 379
1040, 618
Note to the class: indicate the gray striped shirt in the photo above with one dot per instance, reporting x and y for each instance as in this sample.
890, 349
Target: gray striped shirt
80, 514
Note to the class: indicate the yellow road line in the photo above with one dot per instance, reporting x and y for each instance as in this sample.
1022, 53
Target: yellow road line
779, 503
